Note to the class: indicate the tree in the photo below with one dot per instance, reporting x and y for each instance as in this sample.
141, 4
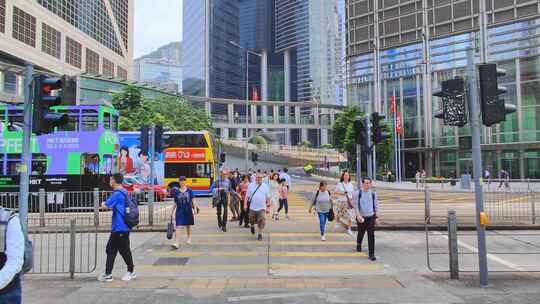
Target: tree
170, 111
258, 140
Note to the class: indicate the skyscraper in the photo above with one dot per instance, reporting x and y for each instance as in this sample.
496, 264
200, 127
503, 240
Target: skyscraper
161, 68
405, 72
69, 37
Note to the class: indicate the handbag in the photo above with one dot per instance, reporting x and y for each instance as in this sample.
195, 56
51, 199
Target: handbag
170, 229
331, 215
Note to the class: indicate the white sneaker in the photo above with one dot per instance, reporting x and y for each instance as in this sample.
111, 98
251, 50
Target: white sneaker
323, 238
188, 241
349, 232
129, 276
337, 226
175, 245
286, 216
105, 277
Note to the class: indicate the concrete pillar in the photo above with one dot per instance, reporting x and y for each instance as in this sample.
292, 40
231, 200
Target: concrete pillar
316, 116
253, 113
2, 81
230, 113
264, 83
276, 114
521, 164
224, 133
303, 134
208, 108
324, 136
287, 75
297, 115
20, 85
287, 114
287, 137
239, 133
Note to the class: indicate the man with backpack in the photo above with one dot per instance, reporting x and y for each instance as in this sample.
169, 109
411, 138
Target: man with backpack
122, 204
11, 257
366, 208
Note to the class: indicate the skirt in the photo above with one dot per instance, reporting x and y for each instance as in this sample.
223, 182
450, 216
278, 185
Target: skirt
184, 215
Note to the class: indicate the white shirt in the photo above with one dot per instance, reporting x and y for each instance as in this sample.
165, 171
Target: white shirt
287, 178
345, 187
258, 197
14, 252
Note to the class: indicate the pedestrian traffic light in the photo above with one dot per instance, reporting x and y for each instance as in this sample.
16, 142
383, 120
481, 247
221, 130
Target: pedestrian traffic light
47, 94
160, 138
453, 111
222, 157
360, 131
254, 157
144, 138
493, 107
377, 133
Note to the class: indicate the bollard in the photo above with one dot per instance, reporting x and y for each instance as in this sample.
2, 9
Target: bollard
72, 228
453, 245
42, 207
427, 206
151, 207
97, 204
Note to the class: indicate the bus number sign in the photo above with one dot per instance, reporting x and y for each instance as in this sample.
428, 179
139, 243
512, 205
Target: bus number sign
185, 155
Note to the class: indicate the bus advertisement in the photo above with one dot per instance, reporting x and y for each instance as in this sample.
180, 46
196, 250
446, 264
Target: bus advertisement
77, 157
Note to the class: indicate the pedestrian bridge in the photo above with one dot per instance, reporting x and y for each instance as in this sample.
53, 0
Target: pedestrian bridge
285, 122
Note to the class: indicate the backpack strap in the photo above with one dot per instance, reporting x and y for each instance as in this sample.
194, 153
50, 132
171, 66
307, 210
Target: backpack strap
373, 201
315, 199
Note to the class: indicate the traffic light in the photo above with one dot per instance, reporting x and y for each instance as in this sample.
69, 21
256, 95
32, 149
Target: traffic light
493, 107
43, 119
453, 111
144, 138
360, 131
377, 133
222, 157
254, 157
159, 138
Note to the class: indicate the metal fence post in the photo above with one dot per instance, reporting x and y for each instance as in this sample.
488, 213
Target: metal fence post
151, 207
453, 245
427, 206
72, 248
96, 206
42, 207
533, 206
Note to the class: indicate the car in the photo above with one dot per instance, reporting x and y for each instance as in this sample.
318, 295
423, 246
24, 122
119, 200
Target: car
135, 185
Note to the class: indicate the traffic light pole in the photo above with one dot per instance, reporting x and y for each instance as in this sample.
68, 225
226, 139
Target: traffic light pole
358, 165
152, 156
26, 164
474, 113
369, 147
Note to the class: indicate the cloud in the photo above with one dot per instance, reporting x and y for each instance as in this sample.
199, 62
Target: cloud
157, 22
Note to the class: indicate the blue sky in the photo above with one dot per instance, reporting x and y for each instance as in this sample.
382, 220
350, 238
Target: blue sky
157, 22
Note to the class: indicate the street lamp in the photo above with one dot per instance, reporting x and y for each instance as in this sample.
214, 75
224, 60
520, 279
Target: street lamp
247, 99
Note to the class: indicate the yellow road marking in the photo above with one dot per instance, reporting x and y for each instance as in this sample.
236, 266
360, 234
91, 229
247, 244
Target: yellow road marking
229, 267
255, 253
264, 243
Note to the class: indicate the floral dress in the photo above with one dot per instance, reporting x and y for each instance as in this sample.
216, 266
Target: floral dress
344, 210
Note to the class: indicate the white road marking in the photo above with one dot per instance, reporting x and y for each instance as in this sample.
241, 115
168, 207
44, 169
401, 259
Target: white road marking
276, 296
490, 256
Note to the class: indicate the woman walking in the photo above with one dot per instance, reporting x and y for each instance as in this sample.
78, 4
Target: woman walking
242, 190
283, 199
183, 210
273, 185
322, 203
345, 210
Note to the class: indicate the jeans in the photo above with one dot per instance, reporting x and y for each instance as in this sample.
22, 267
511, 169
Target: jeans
118, 242
369, 226
283, 202
14, 296
323, 217
222, 211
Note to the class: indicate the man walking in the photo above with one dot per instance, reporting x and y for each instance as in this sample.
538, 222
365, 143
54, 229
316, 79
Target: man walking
11, 258
119, 238
259, 197
223, 188
366, 216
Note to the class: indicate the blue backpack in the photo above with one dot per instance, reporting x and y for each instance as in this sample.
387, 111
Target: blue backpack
131, 213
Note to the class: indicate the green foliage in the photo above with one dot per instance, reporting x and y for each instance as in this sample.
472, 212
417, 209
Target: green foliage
326, 146
258, 140
305, 143
342, 129
170, 111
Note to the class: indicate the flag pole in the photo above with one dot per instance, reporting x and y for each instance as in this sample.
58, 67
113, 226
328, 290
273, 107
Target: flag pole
395, 135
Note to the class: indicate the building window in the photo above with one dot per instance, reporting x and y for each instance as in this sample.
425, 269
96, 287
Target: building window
108, 67
92, 62
121, 73
3, 16
73, 52
50, 41
24, 27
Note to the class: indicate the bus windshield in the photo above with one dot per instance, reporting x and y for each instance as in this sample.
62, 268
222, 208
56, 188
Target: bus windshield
189, 170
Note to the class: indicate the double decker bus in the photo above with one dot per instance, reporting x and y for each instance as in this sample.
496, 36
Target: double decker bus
191, 154
78, 156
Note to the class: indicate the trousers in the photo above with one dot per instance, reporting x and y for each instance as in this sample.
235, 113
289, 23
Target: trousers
118, 242
369, 226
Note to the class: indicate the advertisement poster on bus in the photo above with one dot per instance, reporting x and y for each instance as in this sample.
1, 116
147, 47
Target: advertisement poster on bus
131, 141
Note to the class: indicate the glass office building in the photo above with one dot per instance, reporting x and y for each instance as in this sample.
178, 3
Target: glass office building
193, 47
513, 44
161, 72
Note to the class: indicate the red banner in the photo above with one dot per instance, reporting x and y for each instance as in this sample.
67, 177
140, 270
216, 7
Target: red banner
398, 123
185, 154
393, 103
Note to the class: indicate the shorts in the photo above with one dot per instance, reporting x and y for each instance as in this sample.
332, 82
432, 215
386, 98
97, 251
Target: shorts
257, 217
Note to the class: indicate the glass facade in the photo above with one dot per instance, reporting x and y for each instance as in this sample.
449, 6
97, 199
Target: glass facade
159, 72
513, 144
193, 47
